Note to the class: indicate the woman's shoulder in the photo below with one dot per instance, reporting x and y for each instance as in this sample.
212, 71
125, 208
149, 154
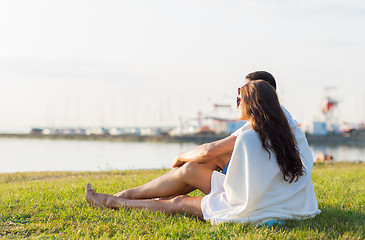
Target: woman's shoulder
247, 133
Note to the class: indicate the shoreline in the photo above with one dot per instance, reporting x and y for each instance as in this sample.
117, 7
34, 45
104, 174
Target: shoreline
328, 140
201, 138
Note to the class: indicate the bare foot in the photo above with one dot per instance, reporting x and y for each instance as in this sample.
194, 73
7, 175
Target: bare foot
90, 195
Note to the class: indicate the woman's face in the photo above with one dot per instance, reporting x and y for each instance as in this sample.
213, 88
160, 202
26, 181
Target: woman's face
242, 115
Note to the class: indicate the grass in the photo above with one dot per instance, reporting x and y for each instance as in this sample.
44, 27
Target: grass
51, 205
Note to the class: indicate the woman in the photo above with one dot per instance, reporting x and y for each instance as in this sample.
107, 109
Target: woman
266, 179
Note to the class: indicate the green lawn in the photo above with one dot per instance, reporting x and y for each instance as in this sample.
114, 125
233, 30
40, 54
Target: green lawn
51, 205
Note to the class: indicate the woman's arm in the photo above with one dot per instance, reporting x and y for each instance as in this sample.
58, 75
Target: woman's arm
206, 152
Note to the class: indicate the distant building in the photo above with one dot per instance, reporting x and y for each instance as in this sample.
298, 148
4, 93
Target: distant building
36, 131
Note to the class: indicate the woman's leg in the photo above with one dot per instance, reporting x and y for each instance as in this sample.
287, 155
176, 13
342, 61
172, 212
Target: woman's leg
179, 204
173, 183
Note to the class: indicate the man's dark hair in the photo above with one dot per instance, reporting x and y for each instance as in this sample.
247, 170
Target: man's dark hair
262, 75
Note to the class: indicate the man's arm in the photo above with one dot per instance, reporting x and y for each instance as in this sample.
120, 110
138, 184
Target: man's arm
206, 152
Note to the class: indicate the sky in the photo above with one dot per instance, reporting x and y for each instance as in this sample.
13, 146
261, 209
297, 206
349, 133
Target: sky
150, 63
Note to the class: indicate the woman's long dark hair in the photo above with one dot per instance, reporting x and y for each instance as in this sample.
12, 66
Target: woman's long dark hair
261, 104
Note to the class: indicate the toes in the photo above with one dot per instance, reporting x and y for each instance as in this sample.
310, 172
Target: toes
89, 188
89, 192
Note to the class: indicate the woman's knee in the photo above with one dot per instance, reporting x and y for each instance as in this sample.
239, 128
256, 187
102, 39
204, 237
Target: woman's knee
189, 168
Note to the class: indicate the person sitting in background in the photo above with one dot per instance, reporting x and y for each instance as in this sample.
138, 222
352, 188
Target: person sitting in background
269, 175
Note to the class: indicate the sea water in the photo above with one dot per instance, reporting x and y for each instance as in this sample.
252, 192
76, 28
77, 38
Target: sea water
23, 155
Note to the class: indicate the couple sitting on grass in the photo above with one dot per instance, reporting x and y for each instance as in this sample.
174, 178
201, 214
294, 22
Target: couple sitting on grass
266, 177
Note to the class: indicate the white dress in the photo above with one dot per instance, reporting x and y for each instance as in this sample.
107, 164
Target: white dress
253, 190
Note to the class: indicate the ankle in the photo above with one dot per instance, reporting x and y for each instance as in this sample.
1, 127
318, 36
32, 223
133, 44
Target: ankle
127, 194
109, 202
114, 202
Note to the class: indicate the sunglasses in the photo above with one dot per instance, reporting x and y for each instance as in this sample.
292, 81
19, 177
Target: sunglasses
238, 98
